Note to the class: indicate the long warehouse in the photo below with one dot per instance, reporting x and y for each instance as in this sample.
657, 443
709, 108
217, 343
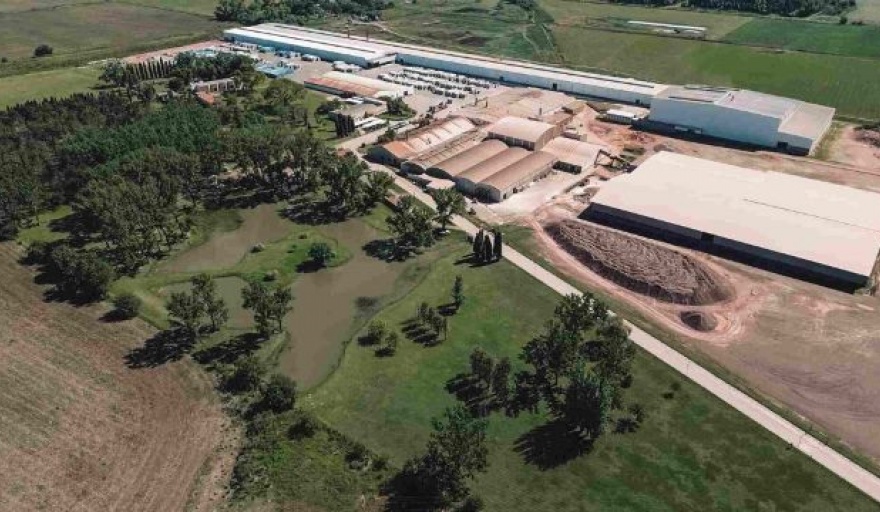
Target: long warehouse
811, 229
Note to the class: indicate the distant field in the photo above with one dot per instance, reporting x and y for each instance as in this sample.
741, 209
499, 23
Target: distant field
847, 83
204, 7
851, 40
60, 82
572, 12
99, 25
867, 11
30, 5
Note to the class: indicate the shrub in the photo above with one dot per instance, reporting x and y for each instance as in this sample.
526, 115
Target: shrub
279, 394
246, 375
42, 50
304, 426
127, 306
376, 332
320, 253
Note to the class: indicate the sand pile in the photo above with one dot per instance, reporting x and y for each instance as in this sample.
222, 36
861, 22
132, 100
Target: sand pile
641, 266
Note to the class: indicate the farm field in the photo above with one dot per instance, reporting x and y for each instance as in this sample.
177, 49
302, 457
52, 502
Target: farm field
693, 453
851, 40
79, 430
201, 7
44, 84
96, 26
33, 5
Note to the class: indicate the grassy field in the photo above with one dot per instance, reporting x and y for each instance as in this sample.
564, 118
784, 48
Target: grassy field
693, 453
44, 84
75, 28
575, 13
201, 7
851, 40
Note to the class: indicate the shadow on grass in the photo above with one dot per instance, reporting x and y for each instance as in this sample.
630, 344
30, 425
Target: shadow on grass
417, 333
309, 266
551, 445
312, 212
230, 350
385, 250
164, 347
471, 394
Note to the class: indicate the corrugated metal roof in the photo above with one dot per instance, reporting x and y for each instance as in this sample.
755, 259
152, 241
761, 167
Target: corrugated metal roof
815, 221
467, 159
490, 166
520, 129
524, 169
432, 136
573, 152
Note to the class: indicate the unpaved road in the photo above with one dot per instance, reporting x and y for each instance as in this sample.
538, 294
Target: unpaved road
80, 431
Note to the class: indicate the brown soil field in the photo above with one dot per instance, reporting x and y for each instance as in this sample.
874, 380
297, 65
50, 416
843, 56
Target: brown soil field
812, 350
81, 431
650, 269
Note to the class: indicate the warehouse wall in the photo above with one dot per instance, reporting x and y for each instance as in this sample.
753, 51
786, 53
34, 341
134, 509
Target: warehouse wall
717, 121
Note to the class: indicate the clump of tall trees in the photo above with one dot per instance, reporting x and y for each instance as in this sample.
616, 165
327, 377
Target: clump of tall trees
780, 7
262, 11
199, 309
487, 247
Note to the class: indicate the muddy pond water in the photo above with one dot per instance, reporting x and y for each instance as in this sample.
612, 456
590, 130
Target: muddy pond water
324, 306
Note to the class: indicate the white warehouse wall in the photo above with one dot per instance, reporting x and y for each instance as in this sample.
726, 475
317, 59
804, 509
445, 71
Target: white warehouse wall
717, 121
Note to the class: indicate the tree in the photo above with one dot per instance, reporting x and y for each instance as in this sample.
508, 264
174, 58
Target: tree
455, 453
482, 366
449, 202
615, 355
229, 10
477, 247
187, 311
127, 306
376, 332
458, 292
246, 374
205, 291
279, 394
497, 246
43, 50
501, 380
487, 249
435, 320
378, 184
81, 273
411, 225
587, 405
113, 73
321, 253
391, 341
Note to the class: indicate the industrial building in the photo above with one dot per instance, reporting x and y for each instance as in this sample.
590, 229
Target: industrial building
514, 177
421, 141
573, 155
348, 85
524, 133
450, 168
807, 228
357, 50
743, 116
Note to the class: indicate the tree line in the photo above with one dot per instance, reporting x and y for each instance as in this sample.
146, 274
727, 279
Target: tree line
799, 8
295, 11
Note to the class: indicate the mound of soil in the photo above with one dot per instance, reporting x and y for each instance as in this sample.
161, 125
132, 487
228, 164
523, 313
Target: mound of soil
869, 135
641, 266
699, 320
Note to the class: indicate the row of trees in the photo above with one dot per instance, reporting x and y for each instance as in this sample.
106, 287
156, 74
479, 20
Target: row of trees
779, 7
486, 247
294, 11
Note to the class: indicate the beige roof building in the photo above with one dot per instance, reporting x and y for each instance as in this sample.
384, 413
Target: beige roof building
452, 167
573, 155
421, 141
442, 152
482, 170
516, 131
505, 182
791, 224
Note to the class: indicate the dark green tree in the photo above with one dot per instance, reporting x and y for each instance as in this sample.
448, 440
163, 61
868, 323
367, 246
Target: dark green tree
186, 311
498, 245
449, 202
279, 393
458, 292
205, 291
126, 306
486, 252
321, 253
482, 366
411, 224
501, 381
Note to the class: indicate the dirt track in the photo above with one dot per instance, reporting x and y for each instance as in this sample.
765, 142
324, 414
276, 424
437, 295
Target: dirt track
640, 266
80, 431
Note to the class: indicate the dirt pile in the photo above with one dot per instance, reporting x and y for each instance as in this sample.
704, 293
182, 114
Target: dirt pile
639, 265
869, 135
699, 320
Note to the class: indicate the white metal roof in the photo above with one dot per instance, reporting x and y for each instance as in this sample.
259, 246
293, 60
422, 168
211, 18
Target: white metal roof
520, 129
572, 151
282, 34
815, 221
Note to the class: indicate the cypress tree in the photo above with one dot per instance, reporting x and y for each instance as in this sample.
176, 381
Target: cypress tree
478, 246
487, 249
497, 245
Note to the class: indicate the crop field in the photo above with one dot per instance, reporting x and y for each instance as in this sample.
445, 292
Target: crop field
851, 40
577, 13
44, 84
79, 430
33, 5
693, 453
97, 26
202, 7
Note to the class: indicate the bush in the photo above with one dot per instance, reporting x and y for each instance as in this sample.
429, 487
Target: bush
127, 306
42, 50
376, 332
304, 426
279, 394
246, 375
321, 253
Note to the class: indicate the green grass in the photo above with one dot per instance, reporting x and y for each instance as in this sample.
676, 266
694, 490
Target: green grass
201, 7
95, 27
45, 84
44, 230
693, 453
32, 5
850, 40
571, 12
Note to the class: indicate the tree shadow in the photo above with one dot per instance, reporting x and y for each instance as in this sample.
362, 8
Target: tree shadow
447, 309
551, 445
385, 250
311, 211
113, 316
164, 347
469, 392
230, 350
309, 267
472, 261
417, 333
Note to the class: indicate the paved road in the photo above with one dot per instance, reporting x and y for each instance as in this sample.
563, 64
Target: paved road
812, 447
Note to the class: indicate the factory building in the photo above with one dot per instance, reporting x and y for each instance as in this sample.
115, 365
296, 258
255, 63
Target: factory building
513, 178
442, 152
452, 167
324, 45
348, 85
743, 116
807, 228
357, 50
573, 155
524, 133
421, 141
468, 180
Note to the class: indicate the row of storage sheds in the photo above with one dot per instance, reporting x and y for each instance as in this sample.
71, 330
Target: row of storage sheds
422, 141
524, 133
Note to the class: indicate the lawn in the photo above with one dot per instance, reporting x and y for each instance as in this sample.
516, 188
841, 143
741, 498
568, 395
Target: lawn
572, 12
851, 40
693, 453
96, 26
44, 84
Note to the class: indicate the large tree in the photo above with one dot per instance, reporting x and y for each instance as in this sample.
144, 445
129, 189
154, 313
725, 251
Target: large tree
205, 291
269, 305
449, 202
411, 225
